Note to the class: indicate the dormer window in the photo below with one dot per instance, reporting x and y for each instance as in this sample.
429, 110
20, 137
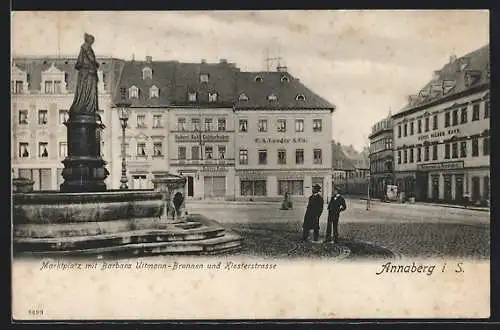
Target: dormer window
212, 97
272, 97
192, 96
203, 77
19, 80
133, 92
154, 92
300, 97
258, 79
243, 97
53, 81
284, 79
147, 73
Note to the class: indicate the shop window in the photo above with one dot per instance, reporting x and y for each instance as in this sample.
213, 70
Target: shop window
293, 187
253, 188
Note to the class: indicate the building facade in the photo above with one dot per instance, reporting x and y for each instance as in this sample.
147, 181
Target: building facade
147, 86
41, 95
381, 157
282, 139
442, 138
232, 134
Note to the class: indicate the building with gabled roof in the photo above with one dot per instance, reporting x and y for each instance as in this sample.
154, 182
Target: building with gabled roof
442, 136
42, 91
283, 136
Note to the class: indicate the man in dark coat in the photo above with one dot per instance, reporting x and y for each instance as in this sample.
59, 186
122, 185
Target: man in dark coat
313, 212
336, 205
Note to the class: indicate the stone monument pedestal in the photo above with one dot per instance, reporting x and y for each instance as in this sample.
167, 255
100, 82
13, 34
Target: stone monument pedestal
84, 169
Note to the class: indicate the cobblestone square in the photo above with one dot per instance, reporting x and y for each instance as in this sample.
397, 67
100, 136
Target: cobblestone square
384, 231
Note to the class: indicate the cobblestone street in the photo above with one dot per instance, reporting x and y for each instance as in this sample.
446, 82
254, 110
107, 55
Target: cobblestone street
384, 231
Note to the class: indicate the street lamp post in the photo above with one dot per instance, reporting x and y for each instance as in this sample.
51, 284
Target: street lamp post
123, 115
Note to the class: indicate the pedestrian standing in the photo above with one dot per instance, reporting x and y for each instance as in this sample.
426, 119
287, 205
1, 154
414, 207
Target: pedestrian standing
336, 205
313, 212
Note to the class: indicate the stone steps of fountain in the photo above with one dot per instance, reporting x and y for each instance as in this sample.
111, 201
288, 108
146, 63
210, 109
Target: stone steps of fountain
196, 234
149, 226
229, 242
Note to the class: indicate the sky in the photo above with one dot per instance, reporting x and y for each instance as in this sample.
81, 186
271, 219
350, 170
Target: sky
364, 62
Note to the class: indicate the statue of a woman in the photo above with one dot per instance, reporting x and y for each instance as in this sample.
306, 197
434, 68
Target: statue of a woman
85, 100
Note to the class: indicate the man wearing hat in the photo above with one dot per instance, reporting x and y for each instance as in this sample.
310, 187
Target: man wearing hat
336, 205
313, 212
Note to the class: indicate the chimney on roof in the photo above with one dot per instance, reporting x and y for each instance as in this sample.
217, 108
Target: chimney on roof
223, 61
282, 68
453, 58
149, 59
436, 75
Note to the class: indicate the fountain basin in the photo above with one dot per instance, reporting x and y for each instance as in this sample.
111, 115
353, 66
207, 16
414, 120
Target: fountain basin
121, 221
60, 208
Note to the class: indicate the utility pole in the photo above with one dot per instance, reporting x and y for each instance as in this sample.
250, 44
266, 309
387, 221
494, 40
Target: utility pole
369, 178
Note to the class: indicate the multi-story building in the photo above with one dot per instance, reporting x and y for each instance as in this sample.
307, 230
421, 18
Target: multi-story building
351, 170
232, 134
381, 157
283, 137
41, 95
442, 137
148, 87
201, 128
